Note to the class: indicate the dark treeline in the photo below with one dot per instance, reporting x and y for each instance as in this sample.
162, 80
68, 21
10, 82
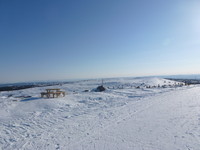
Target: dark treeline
187, 81
29, 85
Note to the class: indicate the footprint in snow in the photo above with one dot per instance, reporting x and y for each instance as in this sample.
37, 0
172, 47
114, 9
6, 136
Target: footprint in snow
57, 146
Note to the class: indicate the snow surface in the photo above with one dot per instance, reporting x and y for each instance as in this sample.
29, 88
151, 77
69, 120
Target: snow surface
123, 117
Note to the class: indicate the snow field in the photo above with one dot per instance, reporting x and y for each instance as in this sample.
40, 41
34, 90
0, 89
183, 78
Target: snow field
119, 118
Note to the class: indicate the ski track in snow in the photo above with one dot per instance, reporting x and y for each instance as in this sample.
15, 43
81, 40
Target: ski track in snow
128, 118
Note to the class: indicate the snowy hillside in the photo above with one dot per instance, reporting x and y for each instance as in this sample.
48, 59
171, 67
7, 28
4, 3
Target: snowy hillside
133, 113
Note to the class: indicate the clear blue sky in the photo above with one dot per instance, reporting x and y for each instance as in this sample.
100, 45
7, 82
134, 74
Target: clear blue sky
68, 39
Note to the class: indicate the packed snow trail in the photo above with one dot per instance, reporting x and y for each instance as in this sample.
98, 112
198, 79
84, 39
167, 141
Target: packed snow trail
171, 122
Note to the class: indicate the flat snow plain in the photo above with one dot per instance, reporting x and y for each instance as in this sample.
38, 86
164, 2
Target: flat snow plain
123, 117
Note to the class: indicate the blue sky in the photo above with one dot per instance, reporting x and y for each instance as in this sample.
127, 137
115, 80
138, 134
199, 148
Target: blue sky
69, 39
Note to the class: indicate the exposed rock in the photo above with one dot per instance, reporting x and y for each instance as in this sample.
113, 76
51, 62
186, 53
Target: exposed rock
86, 91
100, 89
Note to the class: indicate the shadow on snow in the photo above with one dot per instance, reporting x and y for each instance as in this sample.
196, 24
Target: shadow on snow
30, 99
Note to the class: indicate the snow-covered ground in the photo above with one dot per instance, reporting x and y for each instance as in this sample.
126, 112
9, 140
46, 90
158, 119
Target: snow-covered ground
123, 117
